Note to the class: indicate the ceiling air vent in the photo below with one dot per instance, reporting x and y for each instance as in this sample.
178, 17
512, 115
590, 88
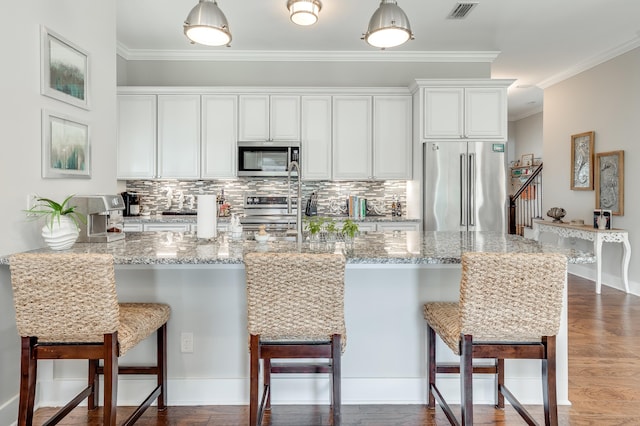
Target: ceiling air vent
462, 9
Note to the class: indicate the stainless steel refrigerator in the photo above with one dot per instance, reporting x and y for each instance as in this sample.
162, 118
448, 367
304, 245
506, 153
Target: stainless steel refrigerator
464, 186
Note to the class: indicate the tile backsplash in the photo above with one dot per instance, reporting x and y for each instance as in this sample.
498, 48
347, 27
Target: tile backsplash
163, 195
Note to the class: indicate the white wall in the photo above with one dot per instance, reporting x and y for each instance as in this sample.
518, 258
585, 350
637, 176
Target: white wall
603, 99
91, 26
528, 136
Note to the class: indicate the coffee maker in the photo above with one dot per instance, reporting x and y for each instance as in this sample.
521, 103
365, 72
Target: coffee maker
131, 203
104, 218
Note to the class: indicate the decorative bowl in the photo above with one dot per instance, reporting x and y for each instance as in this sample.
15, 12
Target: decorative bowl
557, 213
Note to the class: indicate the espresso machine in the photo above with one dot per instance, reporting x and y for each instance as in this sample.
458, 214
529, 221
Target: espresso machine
104, 218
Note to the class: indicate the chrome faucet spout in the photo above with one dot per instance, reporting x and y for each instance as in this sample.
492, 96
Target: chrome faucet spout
295, 165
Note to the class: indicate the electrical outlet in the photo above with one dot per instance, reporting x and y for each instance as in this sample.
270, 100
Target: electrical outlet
186, 342
32, 200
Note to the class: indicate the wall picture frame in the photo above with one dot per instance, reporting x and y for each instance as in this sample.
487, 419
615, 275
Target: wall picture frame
65, 69
582, 161
66, 147
609, 181
526, 160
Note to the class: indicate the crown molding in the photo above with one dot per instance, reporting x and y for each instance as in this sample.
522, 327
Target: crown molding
303, 56
590, 63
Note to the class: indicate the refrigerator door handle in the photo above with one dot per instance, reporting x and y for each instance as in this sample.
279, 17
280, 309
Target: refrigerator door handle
463, 204
472, 189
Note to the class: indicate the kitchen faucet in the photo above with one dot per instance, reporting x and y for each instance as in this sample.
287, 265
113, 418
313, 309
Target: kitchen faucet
295, 165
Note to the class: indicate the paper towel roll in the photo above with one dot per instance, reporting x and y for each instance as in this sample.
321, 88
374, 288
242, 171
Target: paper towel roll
207, 226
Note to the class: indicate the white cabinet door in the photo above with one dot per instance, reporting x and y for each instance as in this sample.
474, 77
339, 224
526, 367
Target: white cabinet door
392, 137
132, 227
136, 144
352, 137
219, 136
486, 113
443, 113
284, 118
264, 117
179, 136
254, 118
316, 137
398, 226
174, 227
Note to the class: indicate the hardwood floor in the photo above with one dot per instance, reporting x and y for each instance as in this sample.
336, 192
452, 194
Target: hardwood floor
604, 381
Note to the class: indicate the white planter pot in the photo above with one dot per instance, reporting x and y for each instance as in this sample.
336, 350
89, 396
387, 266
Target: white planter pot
62, 234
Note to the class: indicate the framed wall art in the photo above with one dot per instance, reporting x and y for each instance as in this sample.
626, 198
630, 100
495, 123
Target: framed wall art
526, 160
582, 161
65, 70
66, 149
609, 181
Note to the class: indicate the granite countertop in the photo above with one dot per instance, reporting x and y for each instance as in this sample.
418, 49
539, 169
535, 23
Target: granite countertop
193, 219
397, 247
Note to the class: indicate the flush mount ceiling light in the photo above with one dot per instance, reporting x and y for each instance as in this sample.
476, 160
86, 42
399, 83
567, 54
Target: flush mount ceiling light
304, 12
388, 27
206, 24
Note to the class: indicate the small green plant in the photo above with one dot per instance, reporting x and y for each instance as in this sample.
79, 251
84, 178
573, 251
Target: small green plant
349, 228
314, 224
330, 226
52, 211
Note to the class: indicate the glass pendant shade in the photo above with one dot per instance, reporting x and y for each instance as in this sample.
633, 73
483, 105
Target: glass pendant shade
304, 12
389, 26
206, 24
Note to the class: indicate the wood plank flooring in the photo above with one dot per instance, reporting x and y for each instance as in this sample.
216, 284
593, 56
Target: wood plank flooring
604, 381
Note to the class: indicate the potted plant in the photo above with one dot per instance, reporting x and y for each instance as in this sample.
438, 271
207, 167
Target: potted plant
349, 230
62, 222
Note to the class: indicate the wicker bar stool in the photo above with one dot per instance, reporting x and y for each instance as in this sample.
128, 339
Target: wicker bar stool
295, 309
510, 307
67, 308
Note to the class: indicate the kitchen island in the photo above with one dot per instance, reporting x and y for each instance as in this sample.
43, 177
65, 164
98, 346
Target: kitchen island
389, 276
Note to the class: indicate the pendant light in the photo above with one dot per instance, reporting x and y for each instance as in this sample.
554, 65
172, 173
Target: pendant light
388, 27
304, 12
206, 24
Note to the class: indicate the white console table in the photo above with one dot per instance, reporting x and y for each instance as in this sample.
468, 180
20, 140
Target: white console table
598, 236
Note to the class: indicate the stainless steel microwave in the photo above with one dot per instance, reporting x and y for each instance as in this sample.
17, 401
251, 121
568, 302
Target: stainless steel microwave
266, 158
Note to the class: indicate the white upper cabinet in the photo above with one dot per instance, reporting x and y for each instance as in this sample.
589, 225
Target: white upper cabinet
352, 143
486, 113
136, 142
179, 136
219, 135
316, 137
455, 112
269, 117
392, 118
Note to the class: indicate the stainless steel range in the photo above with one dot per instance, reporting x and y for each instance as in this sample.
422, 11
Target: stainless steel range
271, 211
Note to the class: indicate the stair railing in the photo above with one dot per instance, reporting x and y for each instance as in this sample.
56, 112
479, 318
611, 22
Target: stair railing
526, 204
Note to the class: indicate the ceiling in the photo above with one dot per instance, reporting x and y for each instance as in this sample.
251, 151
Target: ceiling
537, 42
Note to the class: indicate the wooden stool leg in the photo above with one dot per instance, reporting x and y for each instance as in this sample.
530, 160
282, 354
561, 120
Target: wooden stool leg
254, 380
162, 366
431, 366
93, 400
336, 374
499, 383
550, 398
266, 366
466, 379
110, 378
28, 371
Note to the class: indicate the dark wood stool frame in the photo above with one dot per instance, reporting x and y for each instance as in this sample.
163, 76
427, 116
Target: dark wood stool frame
266, 351
544, 350
32, 351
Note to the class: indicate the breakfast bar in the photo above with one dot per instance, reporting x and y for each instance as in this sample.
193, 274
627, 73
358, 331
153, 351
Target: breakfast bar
389, 276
